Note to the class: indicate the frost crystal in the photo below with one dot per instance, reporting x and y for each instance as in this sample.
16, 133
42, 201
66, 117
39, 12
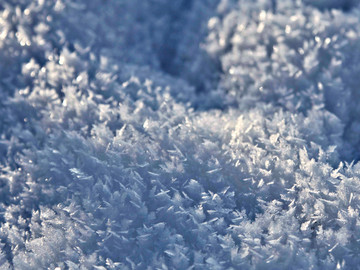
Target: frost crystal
208, 134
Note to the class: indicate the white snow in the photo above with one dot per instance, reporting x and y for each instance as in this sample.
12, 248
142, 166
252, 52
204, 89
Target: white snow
185, 134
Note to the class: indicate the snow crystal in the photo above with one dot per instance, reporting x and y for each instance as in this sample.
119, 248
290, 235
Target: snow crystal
209, 134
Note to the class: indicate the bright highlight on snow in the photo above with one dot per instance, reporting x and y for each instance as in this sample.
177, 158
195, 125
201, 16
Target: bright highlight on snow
185, 134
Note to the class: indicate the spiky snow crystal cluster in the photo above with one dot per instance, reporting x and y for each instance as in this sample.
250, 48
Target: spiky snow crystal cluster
185, 134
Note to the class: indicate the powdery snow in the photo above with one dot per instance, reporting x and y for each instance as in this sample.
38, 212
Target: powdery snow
185, 134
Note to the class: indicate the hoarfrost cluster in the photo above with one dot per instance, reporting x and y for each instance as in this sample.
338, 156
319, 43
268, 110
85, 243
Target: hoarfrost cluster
155, 134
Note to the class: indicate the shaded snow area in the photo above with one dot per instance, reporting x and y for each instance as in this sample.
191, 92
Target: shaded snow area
183, 134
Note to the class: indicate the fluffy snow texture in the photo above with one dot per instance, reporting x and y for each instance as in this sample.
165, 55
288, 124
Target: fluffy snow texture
183, 134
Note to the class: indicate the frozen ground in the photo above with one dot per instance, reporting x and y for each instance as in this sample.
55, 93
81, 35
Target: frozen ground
183, 134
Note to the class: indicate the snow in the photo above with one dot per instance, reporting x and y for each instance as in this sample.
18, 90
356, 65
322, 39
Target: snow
155, 134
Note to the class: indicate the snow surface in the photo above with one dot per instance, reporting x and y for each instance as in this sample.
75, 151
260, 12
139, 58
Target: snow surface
183, 134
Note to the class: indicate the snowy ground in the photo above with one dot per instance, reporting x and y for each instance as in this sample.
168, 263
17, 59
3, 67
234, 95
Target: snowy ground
183, 134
